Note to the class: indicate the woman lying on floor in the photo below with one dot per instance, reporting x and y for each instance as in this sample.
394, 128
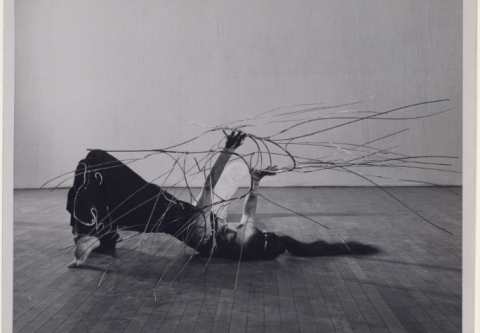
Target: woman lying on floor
108, 196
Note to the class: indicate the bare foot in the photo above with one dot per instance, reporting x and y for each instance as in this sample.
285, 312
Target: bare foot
75, 263
85, 246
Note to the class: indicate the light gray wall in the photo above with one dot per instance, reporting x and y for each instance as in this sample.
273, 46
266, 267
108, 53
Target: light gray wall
131, 74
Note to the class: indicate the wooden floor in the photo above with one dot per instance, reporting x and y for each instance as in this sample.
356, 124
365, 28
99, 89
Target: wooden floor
413, 285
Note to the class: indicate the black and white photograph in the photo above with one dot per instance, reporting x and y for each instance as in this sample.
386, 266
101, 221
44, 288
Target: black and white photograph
238, 166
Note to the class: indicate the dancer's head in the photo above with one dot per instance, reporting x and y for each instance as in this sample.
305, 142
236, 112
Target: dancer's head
234, 238
246, 242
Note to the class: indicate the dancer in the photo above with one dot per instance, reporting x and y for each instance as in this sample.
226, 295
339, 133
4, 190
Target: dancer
108, 196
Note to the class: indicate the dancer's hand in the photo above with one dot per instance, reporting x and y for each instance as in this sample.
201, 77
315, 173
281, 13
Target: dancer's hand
258, 174
234, 140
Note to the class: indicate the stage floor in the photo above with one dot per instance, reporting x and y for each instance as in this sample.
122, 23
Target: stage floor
413, 285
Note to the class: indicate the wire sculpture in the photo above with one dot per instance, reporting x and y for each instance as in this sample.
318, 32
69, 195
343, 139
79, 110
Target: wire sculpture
289, 128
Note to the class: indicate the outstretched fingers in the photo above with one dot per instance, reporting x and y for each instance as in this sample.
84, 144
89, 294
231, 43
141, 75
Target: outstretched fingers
258, 174
272, 169
234, 139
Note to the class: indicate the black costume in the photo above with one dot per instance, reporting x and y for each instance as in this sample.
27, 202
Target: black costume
107, 195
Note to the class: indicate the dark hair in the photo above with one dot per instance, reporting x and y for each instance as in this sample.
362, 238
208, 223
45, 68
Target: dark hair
255, 248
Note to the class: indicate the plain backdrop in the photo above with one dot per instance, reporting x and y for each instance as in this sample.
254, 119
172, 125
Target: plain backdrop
117, 74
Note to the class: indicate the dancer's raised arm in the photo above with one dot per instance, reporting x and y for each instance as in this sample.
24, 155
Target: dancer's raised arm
250, 205
234, 140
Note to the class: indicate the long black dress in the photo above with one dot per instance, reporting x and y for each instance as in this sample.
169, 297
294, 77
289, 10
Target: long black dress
107, 195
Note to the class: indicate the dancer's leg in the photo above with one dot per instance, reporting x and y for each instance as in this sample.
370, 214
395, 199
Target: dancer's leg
89, 211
